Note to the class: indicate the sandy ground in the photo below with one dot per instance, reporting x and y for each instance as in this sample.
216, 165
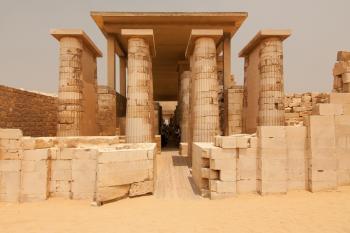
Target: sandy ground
295, 212
175, 207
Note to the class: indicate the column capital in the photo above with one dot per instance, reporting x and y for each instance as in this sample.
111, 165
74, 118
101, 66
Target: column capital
216, 34
146, 34
77, 33
262, 35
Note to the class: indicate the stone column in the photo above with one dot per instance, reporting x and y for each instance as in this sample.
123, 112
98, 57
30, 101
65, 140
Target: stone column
205, 91
184, 103
139, 103
271, 96
70, 96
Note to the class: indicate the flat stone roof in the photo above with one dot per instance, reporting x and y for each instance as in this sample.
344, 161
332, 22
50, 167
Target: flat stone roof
59, 33
171, 31
263, 34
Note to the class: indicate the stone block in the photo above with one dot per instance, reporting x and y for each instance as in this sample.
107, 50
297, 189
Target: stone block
61, 165
226, 142
141, 188
10, 144
328, 109
183, 148
222, 186
83, 184
110, 155
210, 174
10, 186
34, 185
36, 155
339, 98
227, 175
10, 134
82, 164
223, 164
271, 132
221, 153
8, 154
104, 194
271, 187
246, 186
10, 165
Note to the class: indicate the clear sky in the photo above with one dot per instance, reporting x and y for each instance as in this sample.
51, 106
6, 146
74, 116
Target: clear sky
29, 55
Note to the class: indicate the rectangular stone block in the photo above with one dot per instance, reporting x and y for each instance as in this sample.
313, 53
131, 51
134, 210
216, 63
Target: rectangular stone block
10, 186
210, 174
328, 109
34, 185
271, 187
271, 132
223, 164
112, 193
36, 155
221, 153
222, 186
228, 175
10, 165
10, 133
246, 186
110, 155
141, 188
339, 98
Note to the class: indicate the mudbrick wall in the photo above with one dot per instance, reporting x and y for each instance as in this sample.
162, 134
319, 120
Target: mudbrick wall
35, 114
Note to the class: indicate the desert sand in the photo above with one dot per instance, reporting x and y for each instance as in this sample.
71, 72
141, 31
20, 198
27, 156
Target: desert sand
294, 212
175, 207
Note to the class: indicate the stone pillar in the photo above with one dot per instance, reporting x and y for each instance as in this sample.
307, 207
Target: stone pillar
271, 96
107, 112
70, 96
139, 103
205, 91
184, 103
77, 91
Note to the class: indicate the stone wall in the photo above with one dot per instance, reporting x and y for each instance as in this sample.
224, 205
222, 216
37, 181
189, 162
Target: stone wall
89, 168
299, 105
278, 159
34, 113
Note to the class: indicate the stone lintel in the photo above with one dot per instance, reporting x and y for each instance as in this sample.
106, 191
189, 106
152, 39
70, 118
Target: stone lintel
216, 34
262, 35
60, 33
146, 34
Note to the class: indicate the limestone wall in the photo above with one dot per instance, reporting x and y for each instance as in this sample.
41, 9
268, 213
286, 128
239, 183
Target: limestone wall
299, 105
251, 91
35, 114
278, 159
89, 168
107, 113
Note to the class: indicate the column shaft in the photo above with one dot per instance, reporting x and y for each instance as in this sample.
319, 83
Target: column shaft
70, 96
271, 95
205, 93
139, 103
184, 103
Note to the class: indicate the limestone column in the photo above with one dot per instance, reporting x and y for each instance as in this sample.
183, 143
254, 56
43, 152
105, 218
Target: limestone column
139, 103
70, 96
205, 91
184, 103
271, 96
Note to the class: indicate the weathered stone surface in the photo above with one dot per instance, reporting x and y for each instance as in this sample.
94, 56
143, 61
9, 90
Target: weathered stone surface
141, 188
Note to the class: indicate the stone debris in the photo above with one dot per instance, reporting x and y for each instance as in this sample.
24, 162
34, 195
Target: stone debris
88, 168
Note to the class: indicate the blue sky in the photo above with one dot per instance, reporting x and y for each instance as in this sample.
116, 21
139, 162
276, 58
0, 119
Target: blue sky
29, 55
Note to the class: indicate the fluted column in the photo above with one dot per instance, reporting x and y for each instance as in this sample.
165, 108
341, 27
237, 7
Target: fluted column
139, 103
70, 96
205, 91
184, 103
271, 96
